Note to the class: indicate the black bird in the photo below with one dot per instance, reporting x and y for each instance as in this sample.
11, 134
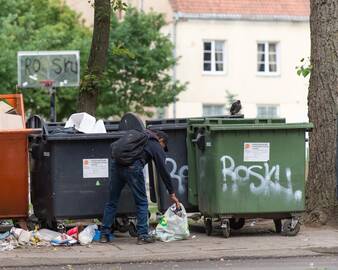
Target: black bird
235, 107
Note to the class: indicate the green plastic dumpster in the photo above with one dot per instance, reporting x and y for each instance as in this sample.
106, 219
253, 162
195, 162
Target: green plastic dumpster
247, 168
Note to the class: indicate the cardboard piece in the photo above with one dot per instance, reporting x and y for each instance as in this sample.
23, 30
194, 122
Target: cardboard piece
99, 127
85, 123
4, 107
10, 121
8, 117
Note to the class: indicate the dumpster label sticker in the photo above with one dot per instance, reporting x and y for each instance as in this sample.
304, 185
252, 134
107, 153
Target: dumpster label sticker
256, 152
261, 180
95, 168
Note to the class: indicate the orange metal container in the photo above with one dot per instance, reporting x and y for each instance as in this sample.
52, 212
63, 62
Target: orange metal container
14, 165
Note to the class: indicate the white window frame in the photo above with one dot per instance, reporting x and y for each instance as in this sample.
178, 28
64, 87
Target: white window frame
213, 105
213, 60
266, 71
266, 106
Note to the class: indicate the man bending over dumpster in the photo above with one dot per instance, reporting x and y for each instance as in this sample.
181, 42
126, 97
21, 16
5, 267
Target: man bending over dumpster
153, 149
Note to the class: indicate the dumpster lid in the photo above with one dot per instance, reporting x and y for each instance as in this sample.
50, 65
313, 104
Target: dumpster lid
270, 126
227, 121
84, 137
177, 126
181, 123
47, 130
170, 121
131, 121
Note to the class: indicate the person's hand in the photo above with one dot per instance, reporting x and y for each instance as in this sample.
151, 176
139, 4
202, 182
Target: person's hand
175, 200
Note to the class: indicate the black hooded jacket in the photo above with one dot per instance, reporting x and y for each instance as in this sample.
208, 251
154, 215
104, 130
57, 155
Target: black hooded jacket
154, 151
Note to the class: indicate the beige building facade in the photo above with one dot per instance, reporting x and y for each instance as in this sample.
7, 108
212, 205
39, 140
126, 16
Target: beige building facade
281, 94
248, 51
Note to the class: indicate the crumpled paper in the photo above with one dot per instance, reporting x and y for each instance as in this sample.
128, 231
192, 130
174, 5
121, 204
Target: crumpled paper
9, 243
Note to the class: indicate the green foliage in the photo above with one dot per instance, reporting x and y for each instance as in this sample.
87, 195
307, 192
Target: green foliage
140, 57
32, 25
117, 5
305, 68
139, 66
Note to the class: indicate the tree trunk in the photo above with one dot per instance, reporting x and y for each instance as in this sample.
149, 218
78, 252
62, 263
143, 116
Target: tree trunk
89, 87
322, 101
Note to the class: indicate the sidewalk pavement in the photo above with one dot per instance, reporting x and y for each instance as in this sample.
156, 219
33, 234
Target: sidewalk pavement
258, 241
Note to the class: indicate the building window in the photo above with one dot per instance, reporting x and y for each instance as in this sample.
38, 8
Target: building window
213, 110
267, 111
213, 56
267, 57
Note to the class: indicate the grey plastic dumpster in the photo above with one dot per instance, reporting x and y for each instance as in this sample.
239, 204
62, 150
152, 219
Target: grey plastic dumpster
70, 176
176, 162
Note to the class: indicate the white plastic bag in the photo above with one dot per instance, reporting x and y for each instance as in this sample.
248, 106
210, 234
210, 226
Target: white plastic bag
21, 235
87, 235
47, 235
173, 225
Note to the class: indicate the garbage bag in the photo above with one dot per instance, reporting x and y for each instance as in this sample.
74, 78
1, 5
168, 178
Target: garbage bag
21, 235
63, 240
47, 235
173, 225
87, 235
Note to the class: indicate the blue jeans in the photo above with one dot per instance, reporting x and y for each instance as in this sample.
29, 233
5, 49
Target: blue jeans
133, 176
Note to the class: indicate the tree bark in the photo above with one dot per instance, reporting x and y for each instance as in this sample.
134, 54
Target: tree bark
89, 87
322, 102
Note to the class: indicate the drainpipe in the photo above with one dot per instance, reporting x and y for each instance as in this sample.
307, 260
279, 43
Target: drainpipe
174, 55
141, 5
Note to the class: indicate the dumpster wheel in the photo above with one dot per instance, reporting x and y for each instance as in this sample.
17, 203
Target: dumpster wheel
132, 229
225, 227
122, 224
290, 227
278, 225
208, 226
237, 223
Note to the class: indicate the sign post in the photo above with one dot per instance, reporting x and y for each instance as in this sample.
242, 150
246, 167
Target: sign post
49, 69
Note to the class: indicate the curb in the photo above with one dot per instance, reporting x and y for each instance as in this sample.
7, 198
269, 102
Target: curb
250, 254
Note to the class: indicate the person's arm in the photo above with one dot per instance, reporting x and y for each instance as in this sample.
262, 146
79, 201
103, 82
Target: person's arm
158, 156
175, 201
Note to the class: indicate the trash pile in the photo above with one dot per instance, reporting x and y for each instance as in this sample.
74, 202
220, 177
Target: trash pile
172, 226
18, 237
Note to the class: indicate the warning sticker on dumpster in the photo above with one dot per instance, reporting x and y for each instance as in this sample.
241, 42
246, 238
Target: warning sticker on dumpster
95, 168
257, 151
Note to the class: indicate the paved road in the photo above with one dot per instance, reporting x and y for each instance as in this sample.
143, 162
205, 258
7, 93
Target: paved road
302, 263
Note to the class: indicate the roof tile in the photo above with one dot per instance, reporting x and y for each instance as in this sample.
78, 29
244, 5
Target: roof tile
244, 7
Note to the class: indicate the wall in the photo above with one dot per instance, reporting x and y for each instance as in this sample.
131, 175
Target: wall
287, 89
87, 11
84, 8
160, 6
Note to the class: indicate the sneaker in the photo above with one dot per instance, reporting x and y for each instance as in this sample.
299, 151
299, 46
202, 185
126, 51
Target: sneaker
145, 239
105, 238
